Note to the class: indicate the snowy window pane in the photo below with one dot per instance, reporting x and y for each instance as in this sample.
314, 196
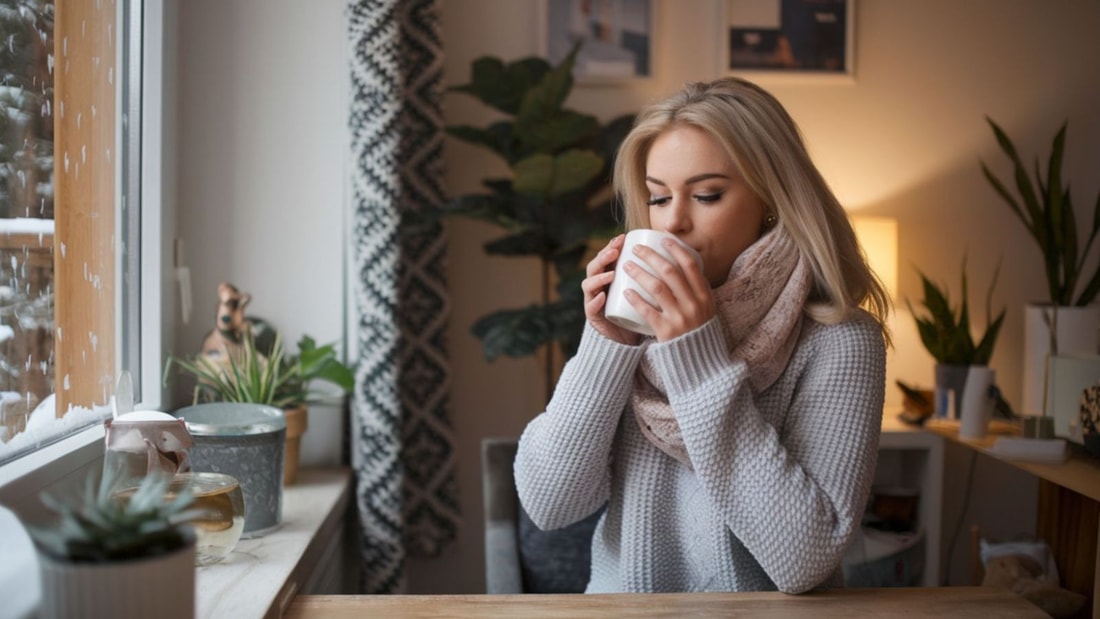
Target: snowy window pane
27, 312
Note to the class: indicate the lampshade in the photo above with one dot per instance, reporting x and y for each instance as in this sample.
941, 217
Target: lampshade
879, 238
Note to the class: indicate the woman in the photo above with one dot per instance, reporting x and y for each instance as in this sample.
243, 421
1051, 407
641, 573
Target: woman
735, 449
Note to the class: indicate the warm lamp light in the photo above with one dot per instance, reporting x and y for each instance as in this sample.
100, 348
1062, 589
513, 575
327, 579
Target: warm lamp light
879, 238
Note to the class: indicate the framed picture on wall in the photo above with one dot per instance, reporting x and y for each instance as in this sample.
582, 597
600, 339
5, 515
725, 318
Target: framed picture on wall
789, 37
616, 37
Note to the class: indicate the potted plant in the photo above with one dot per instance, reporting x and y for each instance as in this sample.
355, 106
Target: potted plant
1067, 321
113, 557
273, 378
946, 333
555, 199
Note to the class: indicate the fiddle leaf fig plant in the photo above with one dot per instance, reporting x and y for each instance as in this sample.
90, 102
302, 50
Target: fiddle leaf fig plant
1046, 209
555, 198
945, 330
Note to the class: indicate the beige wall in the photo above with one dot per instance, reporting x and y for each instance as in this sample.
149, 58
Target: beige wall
262, 162
903, 140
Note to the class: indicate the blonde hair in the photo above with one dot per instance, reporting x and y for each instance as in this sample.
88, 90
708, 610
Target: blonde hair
766, 147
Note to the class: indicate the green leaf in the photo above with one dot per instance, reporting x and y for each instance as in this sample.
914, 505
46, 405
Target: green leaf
321, 363
502, 86
528, 242
549, 175
514, 333
498, 209
498, 137
544, 100
1050, 218
945, 331
555, 133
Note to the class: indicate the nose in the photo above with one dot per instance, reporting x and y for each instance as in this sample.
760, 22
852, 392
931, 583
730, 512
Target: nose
676, 216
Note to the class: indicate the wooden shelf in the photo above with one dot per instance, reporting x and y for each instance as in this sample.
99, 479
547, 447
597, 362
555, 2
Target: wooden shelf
1080, 473
1069, 507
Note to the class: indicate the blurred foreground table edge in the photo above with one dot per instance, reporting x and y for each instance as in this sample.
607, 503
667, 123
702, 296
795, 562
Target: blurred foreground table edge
940, 602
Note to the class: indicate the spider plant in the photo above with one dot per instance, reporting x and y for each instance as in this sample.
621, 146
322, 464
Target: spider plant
245, 376
276, 379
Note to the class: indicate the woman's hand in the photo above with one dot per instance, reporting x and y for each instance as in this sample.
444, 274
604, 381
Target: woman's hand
682, 298
598, 277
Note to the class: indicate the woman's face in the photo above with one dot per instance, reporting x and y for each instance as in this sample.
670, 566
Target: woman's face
696, 194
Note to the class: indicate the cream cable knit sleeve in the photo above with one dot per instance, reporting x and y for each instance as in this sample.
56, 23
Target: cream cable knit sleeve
777, 484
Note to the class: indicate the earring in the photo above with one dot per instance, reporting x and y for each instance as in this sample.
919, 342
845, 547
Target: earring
769, 220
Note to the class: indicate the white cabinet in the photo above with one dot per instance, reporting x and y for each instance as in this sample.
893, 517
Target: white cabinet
910, 457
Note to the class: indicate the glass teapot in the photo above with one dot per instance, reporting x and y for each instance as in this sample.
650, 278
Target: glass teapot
141, 442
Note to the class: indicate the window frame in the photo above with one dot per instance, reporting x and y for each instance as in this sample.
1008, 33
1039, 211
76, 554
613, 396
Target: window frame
138, 296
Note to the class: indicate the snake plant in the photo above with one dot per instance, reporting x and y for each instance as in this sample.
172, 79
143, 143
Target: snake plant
945, 331
1045, 207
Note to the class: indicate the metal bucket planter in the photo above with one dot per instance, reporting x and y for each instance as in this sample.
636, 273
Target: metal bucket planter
247, 441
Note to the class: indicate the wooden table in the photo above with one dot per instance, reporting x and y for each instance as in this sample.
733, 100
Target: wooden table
1068, 516
978, 602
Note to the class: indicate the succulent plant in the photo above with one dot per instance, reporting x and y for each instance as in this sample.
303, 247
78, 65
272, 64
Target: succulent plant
111, 526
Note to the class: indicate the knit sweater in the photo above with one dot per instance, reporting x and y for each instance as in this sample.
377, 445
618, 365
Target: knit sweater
778, 481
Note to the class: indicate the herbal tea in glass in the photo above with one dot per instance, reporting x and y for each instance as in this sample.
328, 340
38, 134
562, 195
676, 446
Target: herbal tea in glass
219, 504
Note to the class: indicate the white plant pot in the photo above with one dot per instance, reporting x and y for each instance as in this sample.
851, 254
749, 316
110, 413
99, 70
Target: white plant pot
976, 407
322, 445
162, 587
1078, 333
1069, 376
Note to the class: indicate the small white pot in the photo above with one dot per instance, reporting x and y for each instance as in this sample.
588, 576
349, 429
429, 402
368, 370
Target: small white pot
161, 586
976, 407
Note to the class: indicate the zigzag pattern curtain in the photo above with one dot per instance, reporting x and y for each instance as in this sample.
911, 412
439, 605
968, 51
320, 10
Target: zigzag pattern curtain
402, 446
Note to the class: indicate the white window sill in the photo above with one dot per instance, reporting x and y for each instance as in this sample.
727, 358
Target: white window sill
262, 575
305, 554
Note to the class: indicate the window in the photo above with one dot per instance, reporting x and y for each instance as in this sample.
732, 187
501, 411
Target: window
71, 216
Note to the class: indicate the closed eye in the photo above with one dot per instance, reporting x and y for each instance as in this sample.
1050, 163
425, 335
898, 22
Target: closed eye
658, 200
709, 198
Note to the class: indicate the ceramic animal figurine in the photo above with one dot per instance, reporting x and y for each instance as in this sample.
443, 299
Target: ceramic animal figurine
230, 324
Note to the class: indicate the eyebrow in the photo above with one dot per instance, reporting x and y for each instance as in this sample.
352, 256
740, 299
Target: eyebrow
691, 181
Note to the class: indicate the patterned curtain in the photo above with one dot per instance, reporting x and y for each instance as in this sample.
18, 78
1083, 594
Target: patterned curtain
402, 444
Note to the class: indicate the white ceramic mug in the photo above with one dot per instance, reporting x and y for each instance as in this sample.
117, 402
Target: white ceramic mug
618, 309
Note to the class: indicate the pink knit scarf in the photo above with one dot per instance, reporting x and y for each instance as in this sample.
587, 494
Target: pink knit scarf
760, 308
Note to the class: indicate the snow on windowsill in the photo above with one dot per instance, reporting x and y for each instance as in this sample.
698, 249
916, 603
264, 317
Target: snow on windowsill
44, 428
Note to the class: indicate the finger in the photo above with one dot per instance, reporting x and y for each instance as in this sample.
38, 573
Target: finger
596, 283
689, 266
649, 313
656, 288
593, 307
679, 306
665, 271
606, 256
